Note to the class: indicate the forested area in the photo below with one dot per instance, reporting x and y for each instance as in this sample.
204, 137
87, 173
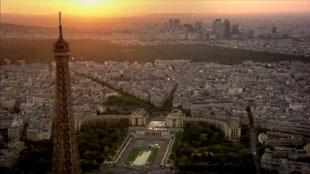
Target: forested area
201, 148
95, 146
33, 50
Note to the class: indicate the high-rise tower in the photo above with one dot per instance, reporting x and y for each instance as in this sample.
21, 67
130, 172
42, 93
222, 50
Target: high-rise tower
227, 28
65, 150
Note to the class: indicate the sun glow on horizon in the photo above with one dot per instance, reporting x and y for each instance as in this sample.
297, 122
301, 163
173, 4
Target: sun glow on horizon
91, 2
88, 7
108, 8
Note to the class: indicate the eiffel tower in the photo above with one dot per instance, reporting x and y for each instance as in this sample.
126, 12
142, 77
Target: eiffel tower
65, 149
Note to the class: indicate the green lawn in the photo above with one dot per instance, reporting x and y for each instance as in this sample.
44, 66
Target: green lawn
136, 151
153, 155
133, 154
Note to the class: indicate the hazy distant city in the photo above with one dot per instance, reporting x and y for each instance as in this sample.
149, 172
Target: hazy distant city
159, 93
279, 35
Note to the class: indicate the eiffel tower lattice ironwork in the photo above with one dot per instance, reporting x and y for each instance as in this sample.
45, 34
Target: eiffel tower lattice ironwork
65, 149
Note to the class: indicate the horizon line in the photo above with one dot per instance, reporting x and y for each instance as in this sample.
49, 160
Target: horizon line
149, 14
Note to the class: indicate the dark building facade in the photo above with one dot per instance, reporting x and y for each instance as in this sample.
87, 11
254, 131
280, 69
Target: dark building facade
235, 29
226, 28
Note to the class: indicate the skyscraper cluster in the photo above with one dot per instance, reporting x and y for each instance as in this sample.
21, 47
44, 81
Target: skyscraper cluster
173, 25
222, 28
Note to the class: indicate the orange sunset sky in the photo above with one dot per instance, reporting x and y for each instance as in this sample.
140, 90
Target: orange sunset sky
111, 8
